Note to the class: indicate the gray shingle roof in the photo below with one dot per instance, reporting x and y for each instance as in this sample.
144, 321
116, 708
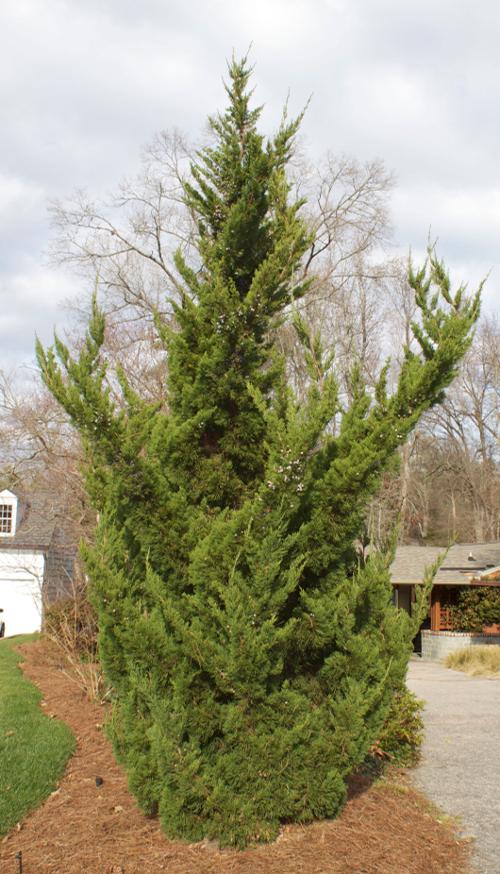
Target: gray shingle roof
38, 517
411, 561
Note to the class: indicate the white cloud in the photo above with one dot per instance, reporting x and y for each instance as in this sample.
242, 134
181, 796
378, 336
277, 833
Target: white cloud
32, 302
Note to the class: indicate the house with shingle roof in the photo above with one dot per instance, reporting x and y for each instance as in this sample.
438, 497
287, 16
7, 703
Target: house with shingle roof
466, 565
36, 558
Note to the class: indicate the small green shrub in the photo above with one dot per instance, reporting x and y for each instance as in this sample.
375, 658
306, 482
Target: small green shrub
476, 608
478, 661
402, 733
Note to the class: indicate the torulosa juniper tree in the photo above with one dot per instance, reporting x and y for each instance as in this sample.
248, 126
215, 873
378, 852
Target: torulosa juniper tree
252, 657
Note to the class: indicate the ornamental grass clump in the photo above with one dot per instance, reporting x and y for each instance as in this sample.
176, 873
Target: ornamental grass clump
252, 654
478, 661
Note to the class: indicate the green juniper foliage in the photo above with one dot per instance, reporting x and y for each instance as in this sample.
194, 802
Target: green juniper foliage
400, 739
253, 656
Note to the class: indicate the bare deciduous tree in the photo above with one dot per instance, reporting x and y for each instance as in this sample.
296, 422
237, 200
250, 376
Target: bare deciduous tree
128, 240
448, 486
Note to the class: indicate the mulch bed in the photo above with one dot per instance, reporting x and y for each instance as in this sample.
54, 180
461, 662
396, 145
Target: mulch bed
84, 828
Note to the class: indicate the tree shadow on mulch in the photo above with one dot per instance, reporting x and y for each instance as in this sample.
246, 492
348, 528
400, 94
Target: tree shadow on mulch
385, 828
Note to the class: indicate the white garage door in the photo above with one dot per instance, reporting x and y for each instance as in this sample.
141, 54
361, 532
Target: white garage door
21, 575
20, 599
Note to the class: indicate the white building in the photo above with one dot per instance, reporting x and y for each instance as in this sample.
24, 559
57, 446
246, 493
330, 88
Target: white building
36, 564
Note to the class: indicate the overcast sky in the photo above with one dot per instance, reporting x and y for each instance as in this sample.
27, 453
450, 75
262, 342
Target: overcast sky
85, 85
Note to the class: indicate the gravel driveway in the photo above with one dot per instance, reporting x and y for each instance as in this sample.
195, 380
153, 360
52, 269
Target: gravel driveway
460, 767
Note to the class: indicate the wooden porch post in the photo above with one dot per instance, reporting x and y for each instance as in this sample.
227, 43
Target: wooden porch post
435, 609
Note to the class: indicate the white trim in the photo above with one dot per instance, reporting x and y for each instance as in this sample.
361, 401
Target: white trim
8, 499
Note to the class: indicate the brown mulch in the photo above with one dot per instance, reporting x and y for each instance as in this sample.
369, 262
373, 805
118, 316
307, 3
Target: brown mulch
385, 829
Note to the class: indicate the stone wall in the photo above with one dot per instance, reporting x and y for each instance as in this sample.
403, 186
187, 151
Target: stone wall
437, 644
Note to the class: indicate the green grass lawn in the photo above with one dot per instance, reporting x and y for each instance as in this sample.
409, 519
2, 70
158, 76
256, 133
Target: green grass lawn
34, 749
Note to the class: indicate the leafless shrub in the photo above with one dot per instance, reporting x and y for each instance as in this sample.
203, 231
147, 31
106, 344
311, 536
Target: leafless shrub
71, 625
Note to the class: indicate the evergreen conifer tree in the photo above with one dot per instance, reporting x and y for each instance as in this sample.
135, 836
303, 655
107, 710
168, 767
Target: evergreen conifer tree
252, 655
